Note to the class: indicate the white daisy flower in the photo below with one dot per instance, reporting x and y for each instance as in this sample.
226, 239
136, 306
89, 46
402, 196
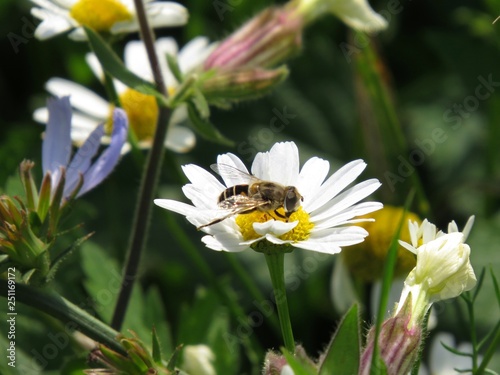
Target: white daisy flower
322, 222
90, 109
113, 16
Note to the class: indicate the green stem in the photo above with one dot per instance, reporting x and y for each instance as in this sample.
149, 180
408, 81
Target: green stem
71, 315
276, 264
150, 177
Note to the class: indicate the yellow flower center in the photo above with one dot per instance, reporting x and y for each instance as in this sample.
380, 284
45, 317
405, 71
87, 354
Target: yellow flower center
99, 15
301, 231
367, 259
142, 112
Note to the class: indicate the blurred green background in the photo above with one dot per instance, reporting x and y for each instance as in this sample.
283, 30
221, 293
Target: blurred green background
432, 60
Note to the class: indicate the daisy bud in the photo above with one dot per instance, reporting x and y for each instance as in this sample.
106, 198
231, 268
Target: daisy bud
398, 342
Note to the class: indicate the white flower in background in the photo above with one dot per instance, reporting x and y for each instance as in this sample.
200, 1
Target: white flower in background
442, 361
113, 16
90, 109
421, 234
356, 13
443, 267
323, 222
198, 360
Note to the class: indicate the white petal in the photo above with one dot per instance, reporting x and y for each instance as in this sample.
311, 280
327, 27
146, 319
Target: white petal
230, 175
81, 98
224, 242
95, 65
275, 227
344, 217
176, 206
161, 14
335, 184
280, 164
202, 178
180, 139
311, 176
166, 14
51, 25
284, 163
194, 54
342, 290
50, 7
78, 35
136, 59
330, 240
359, 15
345, 200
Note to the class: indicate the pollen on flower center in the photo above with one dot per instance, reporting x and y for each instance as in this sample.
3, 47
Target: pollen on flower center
142, 112
300, 233
99, 15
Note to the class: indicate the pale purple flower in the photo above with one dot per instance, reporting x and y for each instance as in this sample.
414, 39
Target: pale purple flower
56, 149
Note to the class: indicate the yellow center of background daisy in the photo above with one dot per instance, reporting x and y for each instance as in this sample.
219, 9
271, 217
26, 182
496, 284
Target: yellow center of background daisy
99, 15
301, 231
367, 259
142, 112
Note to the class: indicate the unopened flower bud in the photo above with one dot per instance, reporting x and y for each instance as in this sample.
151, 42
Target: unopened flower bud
18, 241
398, 342
242, 84
198, 360
265, 41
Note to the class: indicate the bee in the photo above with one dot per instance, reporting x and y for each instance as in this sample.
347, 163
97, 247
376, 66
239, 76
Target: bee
256, 195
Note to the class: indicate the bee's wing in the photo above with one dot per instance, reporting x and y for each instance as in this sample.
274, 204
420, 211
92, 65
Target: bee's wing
233, 173
240, 203
234, 205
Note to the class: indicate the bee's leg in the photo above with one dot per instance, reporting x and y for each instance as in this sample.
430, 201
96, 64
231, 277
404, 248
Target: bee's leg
280, 215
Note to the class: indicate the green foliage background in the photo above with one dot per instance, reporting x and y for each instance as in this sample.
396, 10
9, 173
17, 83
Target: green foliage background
433, 57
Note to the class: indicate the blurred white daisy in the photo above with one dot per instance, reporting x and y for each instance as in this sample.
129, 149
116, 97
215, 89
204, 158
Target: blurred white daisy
113, 16
90, 109
323, 222
443, 362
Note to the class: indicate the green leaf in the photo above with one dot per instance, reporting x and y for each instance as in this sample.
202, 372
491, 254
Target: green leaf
172, 362
298, 367
495, 285
204, 127
112, 64
174, 67
343, 353
156, 352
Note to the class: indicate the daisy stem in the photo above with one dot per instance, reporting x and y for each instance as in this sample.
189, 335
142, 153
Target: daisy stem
150, 177
276, 264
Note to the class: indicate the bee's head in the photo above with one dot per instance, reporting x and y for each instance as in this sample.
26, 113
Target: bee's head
292, 200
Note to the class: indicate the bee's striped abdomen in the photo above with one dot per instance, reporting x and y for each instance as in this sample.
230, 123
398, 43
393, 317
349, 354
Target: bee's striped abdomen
232, 191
